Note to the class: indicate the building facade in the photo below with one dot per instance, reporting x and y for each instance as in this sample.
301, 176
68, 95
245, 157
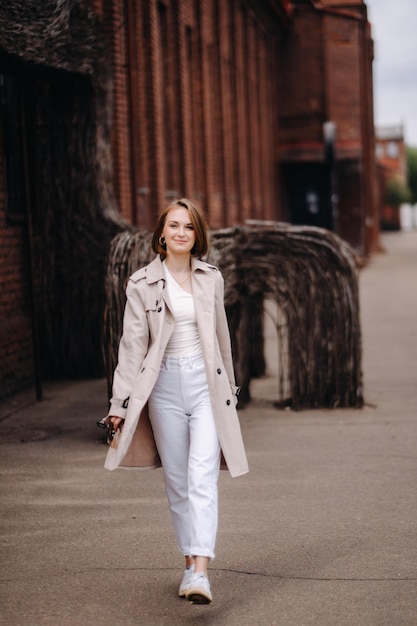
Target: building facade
195, 102
257, 110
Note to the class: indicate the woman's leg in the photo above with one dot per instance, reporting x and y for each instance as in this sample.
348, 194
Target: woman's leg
201, 564
203, 467
182, 419
171, 431
185, 434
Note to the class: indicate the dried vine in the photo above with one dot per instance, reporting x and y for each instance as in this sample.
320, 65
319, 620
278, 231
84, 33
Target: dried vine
309, 272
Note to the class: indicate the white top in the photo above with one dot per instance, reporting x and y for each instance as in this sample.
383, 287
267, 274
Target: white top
185, 339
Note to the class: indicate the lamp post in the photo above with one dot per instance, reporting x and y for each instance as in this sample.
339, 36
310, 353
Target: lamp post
329, 137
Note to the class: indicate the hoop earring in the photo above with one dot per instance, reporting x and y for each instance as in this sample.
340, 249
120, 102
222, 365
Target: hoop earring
162, 243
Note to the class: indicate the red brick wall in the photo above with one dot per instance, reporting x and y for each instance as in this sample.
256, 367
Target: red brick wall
343, 105
302, 79
16, 355
194, 106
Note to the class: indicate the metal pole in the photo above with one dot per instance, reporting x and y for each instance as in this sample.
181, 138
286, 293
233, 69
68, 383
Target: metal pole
31, 246
329, 135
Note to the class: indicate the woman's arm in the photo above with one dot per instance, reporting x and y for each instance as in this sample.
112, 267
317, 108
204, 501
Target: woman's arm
132, 350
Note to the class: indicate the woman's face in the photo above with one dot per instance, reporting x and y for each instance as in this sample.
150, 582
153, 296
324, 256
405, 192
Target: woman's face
178, 231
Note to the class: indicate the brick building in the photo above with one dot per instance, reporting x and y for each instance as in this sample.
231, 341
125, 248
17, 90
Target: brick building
228, 102
391, 156
390, 150
326, 152
224, 101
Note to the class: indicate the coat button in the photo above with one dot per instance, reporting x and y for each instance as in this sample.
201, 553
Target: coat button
160, 309
227, 402
219, 371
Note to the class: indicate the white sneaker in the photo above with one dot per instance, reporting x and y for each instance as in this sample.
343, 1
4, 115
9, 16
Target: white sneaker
186, 579
198, 591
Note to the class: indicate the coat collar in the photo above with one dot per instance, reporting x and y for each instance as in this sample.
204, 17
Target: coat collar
155, 271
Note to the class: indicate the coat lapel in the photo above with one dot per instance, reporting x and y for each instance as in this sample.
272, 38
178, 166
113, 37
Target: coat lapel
203, 284
155, 274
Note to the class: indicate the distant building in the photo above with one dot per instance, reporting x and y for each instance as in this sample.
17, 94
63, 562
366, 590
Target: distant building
391, 156
390, 149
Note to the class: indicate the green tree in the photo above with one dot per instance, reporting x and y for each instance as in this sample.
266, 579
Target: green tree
412, 173
396, 192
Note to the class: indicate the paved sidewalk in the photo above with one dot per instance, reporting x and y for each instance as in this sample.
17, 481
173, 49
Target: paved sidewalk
323, 531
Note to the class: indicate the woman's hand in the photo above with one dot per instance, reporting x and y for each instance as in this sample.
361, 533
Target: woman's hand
116, 422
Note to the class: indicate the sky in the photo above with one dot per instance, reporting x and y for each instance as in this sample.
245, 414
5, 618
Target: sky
394, 31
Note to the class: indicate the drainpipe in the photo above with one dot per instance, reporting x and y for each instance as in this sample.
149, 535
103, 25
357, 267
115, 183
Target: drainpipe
133, 109
31, 246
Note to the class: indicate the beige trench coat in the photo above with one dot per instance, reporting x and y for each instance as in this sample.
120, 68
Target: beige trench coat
147, 326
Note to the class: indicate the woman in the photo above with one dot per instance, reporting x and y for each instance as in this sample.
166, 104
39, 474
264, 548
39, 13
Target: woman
174, 392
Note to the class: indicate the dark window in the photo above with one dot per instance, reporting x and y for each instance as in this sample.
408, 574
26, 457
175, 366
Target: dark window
12, 145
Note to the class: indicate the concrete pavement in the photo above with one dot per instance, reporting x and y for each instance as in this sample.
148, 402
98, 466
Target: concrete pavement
323, 531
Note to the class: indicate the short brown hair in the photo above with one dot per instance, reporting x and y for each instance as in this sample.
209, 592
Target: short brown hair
198, 221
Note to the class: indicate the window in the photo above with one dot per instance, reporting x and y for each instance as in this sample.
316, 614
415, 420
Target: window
392, 150
379, 150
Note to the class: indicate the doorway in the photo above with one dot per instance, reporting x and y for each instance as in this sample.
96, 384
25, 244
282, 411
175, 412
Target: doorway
306, 194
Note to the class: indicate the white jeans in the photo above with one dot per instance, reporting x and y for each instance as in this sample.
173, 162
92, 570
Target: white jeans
183, 424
